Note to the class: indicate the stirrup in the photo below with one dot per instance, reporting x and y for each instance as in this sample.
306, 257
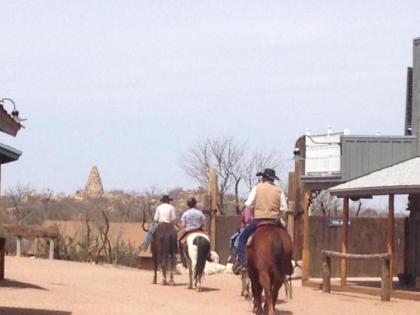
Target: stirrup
237, 269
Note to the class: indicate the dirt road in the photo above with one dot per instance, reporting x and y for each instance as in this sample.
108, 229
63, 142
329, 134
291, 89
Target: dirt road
37, 286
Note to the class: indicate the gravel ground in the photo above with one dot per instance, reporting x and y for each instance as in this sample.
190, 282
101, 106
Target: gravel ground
38, 286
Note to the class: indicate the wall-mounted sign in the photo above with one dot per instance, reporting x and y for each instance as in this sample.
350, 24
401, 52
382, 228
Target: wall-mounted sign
337, 223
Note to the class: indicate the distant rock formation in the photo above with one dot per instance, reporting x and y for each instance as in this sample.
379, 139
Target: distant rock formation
94, 186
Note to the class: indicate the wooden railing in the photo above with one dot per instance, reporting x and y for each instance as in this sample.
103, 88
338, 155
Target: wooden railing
31, 232
385, 274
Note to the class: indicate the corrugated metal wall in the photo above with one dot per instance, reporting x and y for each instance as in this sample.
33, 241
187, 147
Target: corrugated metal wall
361, 155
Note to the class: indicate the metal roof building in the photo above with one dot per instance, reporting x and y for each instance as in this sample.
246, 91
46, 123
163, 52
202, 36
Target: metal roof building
355, 166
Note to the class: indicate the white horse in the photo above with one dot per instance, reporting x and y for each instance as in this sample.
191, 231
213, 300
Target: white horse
197, 252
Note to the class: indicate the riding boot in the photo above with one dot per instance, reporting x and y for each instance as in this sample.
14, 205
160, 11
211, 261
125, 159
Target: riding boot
142, 248
182, 255
184, 260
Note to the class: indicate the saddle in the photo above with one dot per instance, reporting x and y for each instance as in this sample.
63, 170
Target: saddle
267, 222
262, 223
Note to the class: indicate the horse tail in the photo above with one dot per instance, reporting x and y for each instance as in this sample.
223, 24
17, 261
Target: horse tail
169, 245
165, 247
278, 256
203, 252
174, 244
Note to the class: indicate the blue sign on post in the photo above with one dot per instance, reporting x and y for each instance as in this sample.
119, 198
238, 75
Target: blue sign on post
337, 222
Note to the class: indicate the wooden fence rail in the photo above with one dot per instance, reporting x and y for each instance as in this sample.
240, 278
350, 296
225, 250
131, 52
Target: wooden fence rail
385, 274
31, 232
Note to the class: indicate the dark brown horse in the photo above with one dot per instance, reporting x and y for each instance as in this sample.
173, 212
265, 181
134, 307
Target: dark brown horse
164, 248
269, 262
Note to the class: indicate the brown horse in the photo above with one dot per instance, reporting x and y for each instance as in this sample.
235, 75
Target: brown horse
269, 262
164, 248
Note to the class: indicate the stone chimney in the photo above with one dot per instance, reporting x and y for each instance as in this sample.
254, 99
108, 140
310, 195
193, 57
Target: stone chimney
94, 186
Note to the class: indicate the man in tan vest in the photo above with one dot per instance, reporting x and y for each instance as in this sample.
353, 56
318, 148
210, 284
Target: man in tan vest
268, 202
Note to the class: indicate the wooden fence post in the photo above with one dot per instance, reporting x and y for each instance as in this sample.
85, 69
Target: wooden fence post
326, 273
2, 253
213, 205
385, 294
291, 220
390, 236
51, 256
306, 231
18, 246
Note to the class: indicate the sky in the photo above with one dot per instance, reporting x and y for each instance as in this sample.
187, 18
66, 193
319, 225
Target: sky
130, 86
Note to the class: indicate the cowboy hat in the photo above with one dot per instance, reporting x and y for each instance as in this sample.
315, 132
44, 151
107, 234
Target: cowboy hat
269, 173
166, 198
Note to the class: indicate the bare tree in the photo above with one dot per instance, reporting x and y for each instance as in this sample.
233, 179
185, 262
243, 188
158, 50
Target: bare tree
125, 206
148, 201
103, 233
223, 154
258, 161
326, 204
228, 156
197, 162
233, 162
17, 206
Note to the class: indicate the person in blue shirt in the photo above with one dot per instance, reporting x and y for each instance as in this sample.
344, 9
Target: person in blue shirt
192, 220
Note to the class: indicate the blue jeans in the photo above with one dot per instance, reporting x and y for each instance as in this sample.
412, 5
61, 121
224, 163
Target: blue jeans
234, 239
243, 238
149, 235
236, 242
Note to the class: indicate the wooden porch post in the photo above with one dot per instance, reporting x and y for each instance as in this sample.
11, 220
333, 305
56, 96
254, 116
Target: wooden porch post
306, 231
291, 220
390, 237
344, 241
2, 254
2, 235
213, 205
291, 204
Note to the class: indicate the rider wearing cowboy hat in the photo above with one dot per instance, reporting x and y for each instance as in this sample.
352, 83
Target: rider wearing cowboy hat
165, 212
268, 201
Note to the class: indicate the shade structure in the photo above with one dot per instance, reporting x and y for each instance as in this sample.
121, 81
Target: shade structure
8, 154
401, 178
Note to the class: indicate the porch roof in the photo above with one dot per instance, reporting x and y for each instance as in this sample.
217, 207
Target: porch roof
401, 178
